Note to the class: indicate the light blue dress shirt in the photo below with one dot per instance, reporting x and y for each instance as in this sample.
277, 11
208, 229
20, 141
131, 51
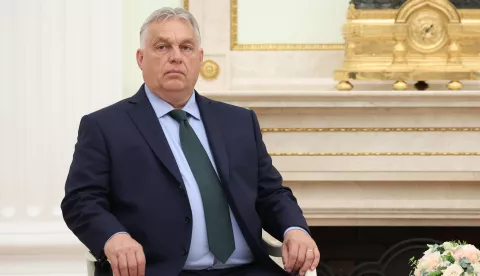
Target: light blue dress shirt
199, 256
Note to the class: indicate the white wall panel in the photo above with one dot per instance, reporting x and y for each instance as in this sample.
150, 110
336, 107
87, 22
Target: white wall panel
291, 21
59, 60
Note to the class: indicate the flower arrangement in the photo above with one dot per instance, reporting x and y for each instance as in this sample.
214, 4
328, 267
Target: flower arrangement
452, 258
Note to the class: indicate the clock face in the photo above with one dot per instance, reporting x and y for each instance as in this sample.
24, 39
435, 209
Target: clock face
427, 31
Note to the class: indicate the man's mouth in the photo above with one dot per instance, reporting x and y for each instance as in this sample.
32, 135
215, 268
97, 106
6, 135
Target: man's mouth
174, 72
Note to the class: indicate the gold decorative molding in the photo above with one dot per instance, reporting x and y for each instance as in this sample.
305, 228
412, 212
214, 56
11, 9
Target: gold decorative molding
234, 46
209, 70
381, 129
186, 4
375, 154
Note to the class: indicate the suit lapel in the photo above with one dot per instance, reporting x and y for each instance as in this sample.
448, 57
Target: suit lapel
213, 127
147, 123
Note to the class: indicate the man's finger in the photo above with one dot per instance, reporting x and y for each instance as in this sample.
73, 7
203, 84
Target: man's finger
309, 258
132, 263
114, 264
316, 259
292, 256
141, 262
285, 255
123, 265
302, 252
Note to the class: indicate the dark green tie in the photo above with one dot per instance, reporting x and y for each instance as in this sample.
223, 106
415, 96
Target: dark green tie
217, 214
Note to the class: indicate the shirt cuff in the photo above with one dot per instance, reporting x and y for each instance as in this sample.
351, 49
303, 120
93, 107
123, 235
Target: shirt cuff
121, 233
295, 228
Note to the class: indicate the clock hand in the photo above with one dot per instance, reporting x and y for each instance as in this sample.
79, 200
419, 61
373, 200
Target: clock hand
428, 29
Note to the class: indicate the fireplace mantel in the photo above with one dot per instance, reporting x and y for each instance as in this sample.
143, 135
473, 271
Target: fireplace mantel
374, 157
333, 98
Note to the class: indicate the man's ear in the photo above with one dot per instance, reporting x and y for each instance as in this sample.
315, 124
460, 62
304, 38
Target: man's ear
201, 56
140, 58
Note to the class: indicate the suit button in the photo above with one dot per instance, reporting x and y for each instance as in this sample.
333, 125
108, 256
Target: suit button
184, 252
187, 220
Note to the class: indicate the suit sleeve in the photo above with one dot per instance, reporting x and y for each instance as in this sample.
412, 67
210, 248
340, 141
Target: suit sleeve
276, 204
86, 207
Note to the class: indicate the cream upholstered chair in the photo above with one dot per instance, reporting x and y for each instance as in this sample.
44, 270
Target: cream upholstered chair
274, 250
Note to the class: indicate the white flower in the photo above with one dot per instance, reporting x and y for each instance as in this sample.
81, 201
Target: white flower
430, 261
453, 270
476, 268
468, 251
445, 264
447, 245
428, 252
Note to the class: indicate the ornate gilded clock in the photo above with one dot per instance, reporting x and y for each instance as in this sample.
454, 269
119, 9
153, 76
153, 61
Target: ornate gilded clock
412, 41
427, 31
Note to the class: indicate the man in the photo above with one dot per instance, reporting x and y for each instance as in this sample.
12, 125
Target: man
169, 182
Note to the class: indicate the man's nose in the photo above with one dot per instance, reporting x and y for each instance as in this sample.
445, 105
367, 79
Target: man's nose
175, 55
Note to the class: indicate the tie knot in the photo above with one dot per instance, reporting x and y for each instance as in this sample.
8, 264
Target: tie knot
179, 115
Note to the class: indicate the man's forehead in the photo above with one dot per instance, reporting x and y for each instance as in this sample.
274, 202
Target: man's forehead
171, 26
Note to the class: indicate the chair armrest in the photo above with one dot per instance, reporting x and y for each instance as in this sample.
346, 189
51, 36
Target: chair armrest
90, 263
274, 247
89, 257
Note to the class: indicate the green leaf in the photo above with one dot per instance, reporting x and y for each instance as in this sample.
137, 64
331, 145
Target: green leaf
470, 269
413, 262
449, 258
424, 272
464, 262
436, 273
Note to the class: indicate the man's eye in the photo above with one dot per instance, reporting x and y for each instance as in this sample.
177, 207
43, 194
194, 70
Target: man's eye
187, 48
161, 47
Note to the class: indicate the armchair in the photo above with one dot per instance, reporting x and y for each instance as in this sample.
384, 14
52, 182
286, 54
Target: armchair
274, 248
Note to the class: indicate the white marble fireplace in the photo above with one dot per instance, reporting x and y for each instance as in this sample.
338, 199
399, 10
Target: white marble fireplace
375, 158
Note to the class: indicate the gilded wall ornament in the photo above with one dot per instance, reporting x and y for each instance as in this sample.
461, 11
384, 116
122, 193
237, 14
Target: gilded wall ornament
210, 70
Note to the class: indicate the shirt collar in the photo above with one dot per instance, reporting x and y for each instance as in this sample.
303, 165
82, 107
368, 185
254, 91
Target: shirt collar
161, 107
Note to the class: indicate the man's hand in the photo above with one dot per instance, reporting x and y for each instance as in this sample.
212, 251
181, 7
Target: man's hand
125, 256
299, 252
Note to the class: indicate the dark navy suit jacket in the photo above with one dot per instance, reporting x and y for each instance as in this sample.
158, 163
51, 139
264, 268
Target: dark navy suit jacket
123, 177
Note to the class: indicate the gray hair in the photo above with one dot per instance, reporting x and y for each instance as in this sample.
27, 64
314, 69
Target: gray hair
169, 13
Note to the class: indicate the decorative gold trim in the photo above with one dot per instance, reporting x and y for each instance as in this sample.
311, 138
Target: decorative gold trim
186, 4
469, 14
381, 129
234, 46
355, 14
209, 70
375, 154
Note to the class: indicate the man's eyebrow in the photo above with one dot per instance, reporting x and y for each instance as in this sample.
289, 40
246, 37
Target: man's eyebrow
160, 39
166, 40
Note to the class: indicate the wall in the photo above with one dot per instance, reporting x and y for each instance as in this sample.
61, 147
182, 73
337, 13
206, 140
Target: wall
291, 22
59, 60
315, 28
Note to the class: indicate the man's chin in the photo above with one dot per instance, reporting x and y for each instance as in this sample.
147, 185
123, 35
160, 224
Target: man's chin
174, 85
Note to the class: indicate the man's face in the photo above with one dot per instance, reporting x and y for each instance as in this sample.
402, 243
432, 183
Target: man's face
171, 58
